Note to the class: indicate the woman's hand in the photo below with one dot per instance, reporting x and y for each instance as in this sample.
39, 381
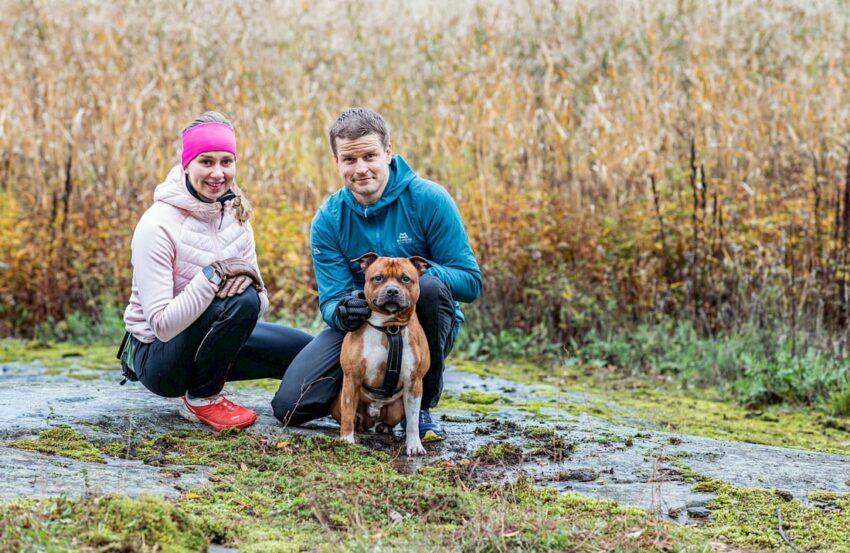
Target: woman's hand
234, 267
234, 286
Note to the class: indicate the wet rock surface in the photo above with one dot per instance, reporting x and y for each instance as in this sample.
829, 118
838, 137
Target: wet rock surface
565, 448
30, 474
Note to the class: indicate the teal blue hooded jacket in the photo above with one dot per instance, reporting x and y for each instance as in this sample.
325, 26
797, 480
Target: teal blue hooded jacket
413, 217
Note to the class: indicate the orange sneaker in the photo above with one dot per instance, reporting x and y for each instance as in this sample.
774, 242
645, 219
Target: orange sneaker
219, 414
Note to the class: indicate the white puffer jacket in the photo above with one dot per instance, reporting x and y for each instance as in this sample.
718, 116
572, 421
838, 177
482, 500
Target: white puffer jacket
175, 238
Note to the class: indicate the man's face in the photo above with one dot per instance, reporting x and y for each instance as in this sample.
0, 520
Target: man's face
212, 174
364, 165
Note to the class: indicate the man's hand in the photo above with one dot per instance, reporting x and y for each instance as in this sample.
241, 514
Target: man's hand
234, 286
236, 267
352, 311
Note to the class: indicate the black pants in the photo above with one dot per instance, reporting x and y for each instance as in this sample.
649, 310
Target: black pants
226, 343
314, 378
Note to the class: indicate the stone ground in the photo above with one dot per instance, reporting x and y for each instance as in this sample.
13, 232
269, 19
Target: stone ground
633, 464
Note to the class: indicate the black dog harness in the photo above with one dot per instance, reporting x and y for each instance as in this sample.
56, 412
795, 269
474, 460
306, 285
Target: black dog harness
393, 371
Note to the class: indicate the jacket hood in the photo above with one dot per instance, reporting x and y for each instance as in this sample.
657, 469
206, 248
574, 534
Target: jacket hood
174, 192
401, 175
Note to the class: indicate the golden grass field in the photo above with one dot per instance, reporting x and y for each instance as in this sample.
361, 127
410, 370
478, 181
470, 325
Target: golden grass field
564, 130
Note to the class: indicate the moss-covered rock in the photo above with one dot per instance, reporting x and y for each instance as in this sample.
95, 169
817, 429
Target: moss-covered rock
64, 441
701, 412
498, 454
751, 518
296, 493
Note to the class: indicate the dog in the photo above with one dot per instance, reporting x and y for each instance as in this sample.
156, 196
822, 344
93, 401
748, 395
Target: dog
371, 391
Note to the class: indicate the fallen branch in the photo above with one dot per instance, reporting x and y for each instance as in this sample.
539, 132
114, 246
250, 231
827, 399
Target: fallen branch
782, 531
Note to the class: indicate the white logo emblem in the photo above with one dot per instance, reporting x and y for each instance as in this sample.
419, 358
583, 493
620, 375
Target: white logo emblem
403, 238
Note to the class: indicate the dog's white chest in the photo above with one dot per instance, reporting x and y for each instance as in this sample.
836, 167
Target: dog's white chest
375, 352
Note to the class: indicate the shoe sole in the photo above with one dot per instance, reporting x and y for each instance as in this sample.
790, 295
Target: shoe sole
190, 416
431, 436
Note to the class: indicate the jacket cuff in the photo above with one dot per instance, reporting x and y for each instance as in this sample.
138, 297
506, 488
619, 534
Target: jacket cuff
264, 302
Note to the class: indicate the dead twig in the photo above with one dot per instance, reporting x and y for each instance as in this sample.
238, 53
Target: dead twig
782, 531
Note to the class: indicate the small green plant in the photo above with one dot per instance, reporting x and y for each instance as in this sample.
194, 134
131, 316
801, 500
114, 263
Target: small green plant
839, 403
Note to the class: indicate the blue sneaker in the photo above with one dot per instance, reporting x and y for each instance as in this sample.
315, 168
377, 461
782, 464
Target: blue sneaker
429, 429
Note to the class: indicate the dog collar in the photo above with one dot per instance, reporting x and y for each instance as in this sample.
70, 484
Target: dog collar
390, 330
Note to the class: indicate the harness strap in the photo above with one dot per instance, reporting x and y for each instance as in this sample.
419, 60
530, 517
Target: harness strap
395, 349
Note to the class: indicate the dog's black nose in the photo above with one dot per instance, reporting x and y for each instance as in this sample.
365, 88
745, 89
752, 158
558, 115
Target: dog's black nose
392, 292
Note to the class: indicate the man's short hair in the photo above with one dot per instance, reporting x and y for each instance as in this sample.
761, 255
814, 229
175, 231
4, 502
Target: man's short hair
356, 123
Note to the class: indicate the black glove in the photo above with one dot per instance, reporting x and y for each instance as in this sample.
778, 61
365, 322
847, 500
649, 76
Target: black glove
352, 311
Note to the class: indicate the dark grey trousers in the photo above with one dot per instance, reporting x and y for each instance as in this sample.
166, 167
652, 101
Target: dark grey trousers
314, 378
226, 343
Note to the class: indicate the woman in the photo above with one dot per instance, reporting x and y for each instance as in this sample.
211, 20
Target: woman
197, 291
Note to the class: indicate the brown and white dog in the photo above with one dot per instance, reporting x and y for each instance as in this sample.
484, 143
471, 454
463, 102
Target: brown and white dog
391, 289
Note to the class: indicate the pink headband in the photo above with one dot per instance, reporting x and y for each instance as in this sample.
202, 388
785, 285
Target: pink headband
207, 137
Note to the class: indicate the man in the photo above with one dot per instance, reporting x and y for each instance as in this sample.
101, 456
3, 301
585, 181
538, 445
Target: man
384, 208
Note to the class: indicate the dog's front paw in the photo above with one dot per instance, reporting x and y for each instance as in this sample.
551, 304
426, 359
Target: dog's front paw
347, 438
415, 448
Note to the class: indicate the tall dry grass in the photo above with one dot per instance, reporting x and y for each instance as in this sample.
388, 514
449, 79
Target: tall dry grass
613, 160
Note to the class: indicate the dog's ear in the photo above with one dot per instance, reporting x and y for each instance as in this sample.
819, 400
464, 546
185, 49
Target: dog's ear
366, 259
420, 263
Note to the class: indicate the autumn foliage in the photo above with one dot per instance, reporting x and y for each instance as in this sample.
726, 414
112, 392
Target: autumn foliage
613, 161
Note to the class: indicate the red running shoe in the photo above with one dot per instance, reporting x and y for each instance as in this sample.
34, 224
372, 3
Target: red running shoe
219, 414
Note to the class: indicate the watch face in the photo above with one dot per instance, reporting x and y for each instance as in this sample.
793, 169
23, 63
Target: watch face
211, 275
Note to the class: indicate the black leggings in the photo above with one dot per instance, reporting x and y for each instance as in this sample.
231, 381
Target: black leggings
226, 343
314, 379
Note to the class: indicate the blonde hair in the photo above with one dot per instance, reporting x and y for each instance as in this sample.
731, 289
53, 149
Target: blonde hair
241, 206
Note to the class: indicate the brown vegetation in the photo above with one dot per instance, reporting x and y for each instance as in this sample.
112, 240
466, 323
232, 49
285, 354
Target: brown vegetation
612, 160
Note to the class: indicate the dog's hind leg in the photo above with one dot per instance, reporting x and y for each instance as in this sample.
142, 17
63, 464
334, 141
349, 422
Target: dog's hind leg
393, 413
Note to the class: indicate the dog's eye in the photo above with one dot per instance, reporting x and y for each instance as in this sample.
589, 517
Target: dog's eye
405, 279
377, 278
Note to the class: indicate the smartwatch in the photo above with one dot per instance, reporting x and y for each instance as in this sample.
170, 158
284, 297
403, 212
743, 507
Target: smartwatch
212, 275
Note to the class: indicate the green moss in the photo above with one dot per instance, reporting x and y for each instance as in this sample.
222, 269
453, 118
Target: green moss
103, 523
63, 441
684, 413
59, 356
701, 412
266, 384
480, 398
294, 493
498, 454
549, 443
750, 518
458, 405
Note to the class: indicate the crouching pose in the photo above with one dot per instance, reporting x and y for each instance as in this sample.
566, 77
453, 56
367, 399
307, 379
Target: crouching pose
385, 208
197, 291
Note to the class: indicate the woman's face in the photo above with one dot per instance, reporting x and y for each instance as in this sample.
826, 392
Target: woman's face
211, 174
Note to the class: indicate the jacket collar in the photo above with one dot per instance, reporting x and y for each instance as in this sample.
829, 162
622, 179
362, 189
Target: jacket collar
175, 191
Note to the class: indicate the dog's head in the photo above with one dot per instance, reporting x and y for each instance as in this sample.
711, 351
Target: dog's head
392, 283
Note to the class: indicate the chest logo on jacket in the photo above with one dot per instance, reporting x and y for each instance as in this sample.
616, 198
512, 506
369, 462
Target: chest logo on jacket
403, 238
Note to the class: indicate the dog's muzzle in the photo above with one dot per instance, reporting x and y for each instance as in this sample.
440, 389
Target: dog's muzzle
391, 299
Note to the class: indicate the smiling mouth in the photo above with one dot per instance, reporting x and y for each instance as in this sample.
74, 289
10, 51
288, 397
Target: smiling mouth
391, 306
